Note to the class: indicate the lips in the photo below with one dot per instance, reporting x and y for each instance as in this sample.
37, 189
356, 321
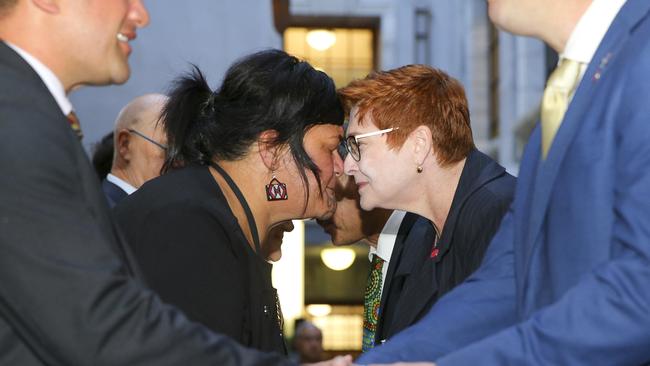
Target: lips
361, 185
126, 36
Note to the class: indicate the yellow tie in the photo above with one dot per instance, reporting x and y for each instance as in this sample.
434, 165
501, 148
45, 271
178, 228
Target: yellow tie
559, 90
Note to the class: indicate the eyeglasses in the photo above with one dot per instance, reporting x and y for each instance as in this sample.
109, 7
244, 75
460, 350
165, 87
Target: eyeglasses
352, 142
342, 148
138, 133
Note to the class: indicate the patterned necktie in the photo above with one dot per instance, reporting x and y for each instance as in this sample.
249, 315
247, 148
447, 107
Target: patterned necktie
74, 124
371, 303
557, 95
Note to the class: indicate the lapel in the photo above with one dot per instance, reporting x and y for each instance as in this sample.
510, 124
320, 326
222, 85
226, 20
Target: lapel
631, 13
479, 169
403, 232
30, 82
416, 270
113, 192
43, 99
395, 259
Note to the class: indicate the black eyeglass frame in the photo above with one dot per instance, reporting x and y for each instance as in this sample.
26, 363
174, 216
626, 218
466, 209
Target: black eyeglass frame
138, 133
352, 141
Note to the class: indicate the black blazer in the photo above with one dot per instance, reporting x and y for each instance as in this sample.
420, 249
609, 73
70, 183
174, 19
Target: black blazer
66, 293
113, 193
404, 234
192, 252
483, 195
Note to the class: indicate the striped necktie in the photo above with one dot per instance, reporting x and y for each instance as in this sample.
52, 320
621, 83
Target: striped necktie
74, 124
558, 93
371, 303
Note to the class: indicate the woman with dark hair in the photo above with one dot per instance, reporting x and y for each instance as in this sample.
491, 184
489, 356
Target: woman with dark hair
242, 159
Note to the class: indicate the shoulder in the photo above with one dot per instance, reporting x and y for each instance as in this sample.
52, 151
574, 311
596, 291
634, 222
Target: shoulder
179, 198
489, 203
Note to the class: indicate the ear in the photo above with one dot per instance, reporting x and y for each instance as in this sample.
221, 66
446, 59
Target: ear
422, 143
268, 150
123, 140
48, 6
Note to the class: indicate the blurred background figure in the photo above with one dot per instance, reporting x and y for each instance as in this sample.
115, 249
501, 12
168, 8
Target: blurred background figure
386, 232
308, 343
138, 147
102, 155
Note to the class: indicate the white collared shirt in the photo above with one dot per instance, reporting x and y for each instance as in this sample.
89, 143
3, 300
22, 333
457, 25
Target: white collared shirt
590, 31
52, 82
126, 187
386, 242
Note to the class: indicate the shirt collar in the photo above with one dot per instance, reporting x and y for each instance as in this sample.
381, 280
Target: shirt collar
590, 30
387, 237
124, 185
52, 82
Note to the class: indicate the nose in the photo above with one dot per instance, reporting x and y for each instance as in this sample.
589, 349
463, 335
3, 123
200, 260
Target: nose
138, 14
338, 164
350, 165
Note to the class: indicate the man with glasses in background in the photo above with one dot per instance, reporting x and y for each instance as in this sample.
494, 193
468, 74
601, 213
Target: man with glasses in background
139, 147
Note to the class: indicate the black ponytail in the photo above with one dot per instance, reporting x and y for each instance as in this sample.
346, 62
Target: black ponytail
268, 90
190, 104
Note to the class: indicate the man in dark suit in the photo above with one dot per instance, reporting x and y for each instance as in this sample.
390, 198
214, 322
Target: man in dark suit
139, 147
385, 232
565, 280
67, 297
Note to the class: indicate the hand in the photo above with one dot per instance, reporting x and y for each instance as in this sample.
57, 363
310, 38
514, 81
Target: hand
336, 361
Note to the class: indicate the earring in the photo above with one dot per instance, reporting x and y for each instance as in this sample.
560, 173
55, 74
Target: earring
419, 169
276, 190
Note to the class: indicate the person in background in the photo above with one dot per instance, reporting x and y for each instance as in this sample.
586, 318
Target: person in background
565, 280
308, 343
139, 147
259, 150
387, 233
102, 155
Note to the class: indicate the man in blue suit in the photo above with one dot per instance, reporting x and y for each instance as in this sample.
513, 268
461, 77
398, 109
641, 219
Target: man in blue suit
566, 279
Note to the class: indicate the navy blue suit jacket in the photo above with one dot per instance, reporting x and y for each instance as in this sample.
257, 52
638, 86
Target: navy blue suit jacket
113, 193
417, 281
566, 280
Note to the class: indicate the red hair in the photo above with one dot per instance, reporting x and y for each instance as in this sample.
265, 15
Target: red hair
412, 96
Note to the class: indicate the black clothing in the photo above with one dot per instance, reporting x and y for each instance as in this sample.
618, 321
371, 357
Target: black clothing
66, 295
192, 252
483, 195
113, 193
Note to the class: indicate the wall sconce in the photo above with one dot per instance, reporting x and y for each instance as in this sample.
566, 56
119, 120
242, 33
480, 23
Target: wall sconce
337, 259
321, 39
319, 310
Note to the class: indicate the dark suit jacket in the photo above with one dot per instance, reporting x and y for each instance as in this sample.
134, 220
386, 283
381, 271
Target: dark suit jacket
113, 193
192, 252
482, 197
66, 294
